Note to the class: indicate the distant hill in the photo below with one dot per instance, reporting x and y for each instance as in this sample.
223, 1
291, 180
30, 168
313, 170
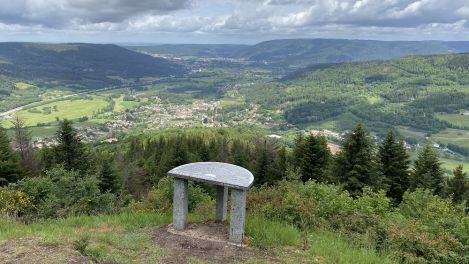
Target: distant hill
408, 91
290, 54
80, 66
303, 52
199, 50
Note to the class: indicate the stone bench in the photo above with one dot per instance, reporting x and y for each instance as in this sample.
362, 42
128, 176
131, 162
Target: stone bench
222, 175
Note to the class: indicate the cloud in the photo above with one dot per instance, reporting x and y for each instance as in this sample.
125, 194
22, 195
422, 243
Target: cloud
249, 19
60, 13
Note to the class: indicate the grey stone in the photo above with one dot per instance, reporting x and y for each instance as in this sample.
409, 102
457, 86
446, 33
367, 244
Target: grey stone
238, 215
180, 203
224, 176
222, 203
217, 173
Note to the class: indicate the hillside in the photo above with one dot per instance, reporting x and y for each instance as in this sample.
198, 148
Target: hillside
405, 92
79, 66
303, 52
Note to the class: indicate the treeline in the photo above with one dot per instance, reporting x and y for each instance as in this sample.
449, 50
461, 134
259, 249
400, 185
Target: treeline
371, 193
134, 166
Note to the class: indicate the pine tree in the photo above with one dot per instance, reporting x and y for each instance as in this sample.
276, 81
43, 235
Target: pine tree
458, 186
108, 179
9, 166
393, 164
298, 150
427, 172
354, 164
24, 146
70, 150
315, 161
262, 163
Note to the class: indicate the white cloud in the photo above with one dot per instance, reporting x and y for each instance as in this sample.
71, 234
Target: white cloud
242, 18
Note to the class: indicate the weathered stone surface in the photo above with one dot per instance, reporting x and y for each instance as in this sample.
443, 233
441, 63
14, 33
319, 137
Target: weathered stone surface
180, 203
215, 173
222, 203
238, 215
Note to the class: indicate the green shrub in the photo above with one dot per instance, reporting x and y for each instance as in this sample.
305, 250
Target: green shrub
436, 213
61, 193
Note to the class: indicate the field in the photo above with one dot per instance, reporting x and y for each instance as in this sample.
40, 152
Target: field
23, 86
122, 105
454, 136
65, 109
455, 119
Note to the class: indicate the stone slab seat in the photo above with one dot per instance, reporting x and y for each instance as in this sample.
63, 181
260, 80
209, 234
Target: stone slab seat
224, 176
216, 173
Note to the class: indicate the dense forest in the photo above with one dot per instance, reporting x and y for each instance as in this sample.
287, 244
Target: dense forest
370, 192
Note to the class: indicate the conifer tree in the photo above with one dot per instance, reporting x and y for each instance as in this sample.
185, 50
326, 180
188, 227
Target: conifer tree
315, 161
458, 185
262, 162
9, 166
298, 150
70, 150
108, 179
354, 164
393, 164
427, 172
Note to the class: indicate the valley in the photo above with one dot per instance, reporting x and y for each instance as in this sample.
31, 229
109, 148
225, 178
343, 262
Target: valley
221, 89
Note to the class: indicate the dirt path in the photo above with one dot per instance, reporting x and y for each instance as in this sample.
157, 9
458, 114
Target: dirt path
205, 241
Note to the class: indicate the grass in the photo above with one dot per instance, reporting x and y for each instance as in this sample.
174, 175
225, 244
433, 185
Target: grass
124, 238
455, 119
454, 136
270, 233
450, 164
122, 105
66, 109
23, 86
127, 238
327, 247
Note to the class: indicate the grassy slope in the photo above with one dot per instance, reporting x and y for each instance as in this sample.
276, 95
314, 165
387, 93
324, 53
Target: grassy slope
66, 109
127, 238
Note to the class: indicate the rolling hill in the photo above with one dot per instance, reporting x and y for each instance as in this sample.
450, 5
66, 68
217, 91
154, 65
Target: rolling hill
401, 92
79, 66
288, 54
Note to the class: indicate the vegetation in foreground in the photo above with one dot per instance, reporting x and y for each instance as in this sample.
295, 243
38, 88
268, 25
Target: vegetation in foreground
367, 198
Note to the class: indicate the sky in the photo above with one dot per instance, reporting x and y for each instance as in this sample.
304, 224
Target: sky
230, 21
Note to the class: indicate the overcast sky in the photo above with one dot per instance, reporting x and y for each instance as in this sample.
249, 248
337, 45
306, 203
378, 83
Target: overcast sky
230, 21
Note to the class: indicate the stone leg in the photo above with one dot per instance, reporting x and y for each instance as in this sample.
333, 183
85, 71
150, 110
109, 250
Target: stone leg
180, 203
238, 215
222, 201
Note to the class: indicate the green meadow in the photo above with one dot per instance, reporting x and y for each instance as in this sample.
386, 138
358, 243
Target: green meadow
65, 109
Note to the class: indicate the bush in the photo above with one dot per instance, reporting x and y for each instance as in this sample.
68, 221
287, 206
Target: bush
13, 202
61, 193
424, 229
436, 213
160, 198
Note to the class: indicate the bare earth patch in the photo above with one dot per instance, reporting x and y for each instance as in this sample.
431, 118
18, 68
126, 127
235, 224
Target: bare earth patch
26, 251
205, 241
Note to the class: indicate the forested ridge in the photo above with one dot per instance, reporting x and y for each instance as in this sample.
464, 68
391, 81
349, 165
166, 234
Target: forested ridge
370, 191
79, 65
